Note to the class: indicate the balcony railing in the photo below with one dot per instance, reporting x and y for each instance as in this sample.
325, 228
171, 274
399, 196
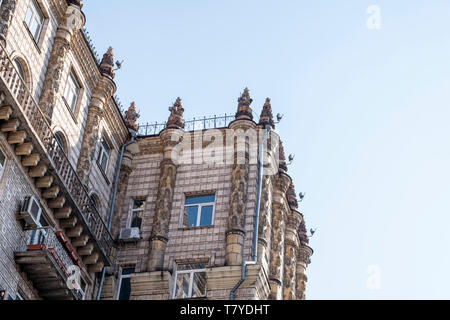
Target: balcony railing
48, 244
58, 158
204, 123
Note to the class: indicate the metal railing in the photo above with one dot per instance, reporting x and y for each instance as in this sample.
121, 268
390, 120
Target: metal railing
45, 239
204, 123
58, 158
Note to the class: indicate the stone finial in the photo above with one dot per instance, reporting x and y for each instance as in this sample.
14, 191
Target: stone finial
266, 117
75, 2
107, 64
282, 164
131, 116
292, 197
176, 116
244, 111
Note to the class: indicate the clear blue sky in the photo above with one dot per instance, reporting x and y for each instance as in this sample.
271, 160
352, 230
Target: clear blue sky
366, 113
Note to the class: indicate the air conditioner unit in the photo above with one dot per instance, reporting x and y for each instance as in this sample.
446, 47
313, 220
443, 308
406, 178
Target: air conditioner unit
31, 212
130, 234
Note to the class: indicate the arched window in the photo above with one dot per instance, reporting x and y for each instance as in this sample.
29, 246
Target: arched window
20, 69
60, 137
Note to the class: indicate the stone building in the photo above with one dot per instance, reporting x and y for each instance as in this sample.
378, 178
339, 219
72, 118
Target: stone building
91, 207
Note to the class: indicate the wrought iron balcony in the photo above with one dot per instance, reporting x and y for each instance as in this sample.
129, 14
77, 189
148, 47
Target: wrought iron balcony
44, 256
27, 115
204, 123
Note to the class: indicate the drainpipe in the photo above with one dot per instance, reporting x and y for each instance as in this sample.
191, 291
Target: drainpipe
256, 220
113, 204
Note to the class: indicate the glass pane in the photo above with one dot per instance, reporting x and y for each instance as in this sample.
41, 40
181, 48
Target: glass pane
104, 162
2, 159
190, 266
200, 199
190, 216
182, 286
28, 17
136, 221
199, 285
138, 204
207, 215
125, 289
19, 69
105, 146
127, 271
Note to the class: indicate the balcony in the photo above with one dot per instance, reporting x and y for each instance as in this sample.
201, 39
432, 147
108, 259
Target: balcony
46, 259
30, 135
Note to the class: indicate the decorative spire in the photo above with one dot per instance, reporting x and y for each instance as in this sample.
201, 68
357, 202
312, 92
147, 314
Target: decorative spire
266, 117
292, 197
176, 116
131, 116
282, 165
107, 64
244, 111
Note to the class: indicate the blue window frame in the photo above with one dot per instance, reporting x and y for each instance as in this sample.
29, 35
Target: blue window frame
199, 211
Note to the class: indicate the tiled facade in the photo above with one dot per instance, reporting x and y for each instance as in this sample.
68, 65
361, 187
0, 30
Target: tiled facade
65, 182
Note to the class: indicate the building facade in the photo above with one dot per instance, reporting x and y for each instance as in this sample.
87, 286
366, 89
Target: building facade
90, 207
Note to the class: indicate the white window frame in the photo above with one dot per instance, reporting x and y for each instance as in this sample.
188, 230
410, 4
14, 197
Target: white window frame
122, 276
132, 211
104, 153
73, 87
199, 212
37, 15
191, 281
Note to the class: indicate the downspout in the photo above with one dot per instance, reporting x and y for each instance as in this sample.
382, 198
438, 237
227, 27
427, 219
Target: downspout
256, 220
113, 203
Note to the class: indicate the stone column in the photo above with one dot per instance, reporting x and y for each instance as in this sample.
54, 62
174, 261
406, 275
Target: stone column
105, 89
7, 11
303, 259
239, 186
292, 244
277, 248
160, 232
72, 21
124, 176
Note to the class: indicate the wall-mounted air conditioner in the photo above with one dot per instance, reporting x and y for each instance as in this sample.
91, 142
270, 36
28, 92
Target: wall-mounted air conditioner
130, 235
31, 212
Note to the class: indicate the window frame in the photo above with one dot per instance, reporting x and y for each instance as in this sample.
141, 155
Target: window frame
191, 281
72, 79
199, 210
133, 211
124, 276
35, 8
101, 152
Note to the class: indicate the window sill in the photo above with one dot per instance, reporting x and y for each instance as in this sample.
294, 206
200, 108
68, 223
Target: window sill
103, 173
32, 38
196, 228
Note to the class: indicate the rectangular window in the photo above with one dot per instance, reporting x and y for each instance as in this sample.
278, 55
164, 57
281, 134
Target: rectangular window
125, 284
137, 214
199, 211
72, 92
34, 19
190, 281
2, 163
103, 157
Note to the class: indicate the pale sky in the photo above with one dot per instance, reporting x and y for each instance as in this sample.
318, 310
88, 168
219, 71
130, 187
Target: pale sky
366, 113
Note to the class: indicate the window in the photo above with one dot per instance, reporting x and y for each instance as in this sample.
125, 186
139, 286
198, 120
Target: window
62, 141
137, 214
190, 281
34, 19
72, 92
20, 69
2, 162
103, 157
198, 211
125, 284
